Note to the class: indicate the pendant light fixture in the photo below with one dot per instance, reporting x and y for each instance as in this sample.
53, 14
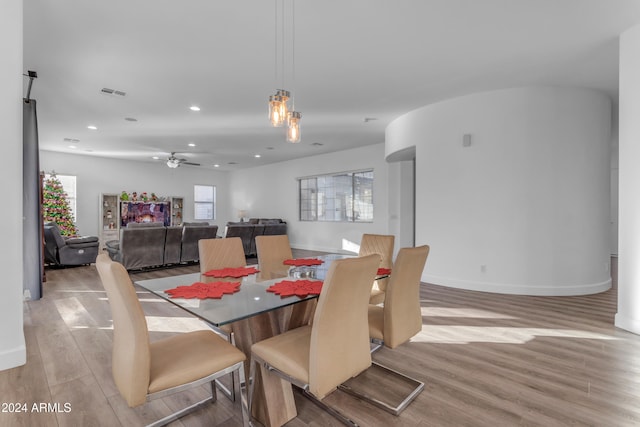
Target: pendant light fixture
293, 128
279, 113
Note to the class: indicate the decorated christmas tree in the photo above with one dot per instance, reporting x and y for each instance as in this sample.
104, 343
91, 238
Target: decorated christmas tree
55, 206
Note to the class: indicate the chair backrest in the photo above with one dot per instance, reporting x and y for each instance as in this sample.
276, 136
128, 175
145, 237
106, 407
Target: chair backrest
272, 251
402, 314
244, 231
52, 242
131, 359
381, 244
339, 347
190, 236
142, 247
221, 253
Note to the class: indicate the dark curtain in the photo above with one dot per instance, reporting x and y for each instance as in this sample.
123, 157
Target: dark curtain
32, 226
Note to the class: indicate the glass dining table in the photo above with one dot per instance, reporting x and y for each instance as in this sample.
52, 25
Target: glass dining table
251, 300
253, 314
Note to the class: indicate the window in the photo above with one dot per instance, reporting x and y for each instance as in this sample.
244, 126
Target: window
204, 202
346, 196
69, 187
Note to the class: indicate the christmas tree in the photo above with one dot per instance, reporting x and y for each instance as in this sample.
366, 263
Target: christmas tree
55, 206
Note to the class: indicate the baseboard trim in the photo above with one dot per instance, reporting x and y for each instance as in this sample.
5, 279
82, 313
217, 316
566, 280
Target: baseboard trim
13, 357
320, 249
522, 289
627, 323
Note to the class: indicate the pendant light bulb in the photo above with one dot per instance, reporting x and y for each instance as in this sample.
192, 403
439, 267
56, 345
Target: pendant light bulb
293, 129
275, 114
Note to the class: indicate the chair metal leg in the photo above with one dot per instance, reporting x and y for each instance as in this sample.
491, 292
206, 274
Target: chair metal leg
229, 392
244, 401
412, 384
209, 400
334, 412
166, 420
302, 386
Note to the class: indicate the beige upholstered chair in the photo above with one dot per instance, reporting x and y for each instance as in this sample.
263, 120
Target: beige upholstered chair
220, 253
400, 318
383, 245
272, 251
335, 347
395, 323
144, 370
216, 254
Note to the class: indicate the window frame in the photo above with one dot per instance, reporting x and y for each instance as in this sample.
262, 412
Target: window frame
72, 199
336, 201
199, 203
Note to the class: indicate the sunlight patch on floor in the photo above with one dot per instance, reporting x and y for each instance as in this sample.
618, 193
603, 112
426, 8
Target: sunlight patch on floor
463, 312
174, 324
448, 334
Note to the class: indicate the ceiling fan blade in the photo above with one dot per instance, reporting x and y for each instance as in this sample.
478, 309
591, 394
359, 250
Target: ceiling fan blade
191, 163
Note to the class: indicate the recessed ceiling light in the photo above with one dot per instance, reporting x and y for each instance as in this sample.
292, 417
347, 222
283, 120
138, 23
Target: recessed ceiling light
194, 108
156, 158
216, 166
131, 119
72, 146
92, 127
191, 144
257, 156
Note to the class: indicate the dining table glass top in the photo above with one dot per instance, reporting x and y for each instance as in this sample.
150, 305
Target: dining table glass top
252, 298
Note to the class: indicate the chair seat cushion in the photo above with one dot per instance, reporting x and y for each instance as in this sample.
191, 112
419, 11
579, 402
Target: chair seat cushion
376, 322
188, 357
81, 240
287, 352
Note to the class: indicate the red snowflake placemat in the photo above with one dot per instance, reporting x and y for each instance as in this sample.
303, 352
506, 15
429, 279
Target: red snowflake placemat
302, 262
232, 272
384, 271
204, 290
301, 288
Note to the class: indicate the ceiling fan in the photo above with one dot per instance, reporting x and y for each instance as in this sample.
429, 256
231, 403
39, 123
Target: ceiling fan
174, 162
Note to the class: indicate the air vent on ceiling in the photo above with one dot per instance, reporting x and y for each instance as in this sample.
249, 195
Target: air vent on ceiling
75, 141
108, 91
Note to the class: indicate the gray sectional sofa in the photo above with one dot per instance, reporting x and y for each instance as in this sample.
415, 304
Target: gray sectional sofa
247, 231
154, 245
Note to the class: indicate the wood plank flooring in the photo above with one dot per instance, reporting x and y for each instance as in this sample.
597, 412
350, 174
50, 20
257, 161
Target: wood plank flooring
485, 359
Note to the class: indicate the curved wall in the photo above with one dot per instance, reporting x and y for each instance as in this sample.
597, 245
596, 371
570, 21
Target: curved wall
524, 209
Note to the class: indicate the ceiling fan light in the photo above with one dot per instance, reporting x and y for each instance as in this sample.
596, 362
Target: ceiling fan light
293, 129
173, 163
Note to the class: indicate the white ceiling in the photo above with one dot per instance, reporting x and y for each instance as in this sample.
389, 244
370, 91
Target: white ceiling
354, 59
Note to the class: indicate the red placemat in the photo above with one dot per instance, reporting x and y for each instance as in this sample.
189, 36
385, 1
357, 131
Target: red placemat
301, 288
302, 262
384, 271
204, 290
232, 272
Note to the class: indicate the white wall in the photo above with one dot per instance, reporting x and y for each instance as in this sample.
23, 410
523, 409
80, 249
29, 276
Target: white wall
525, 208
628, 315
271, 191
99, 175
12, 343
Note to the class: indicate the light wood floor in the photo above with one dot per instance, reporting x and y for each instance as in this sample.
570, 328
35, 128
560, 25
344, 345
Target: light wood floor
486, 360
